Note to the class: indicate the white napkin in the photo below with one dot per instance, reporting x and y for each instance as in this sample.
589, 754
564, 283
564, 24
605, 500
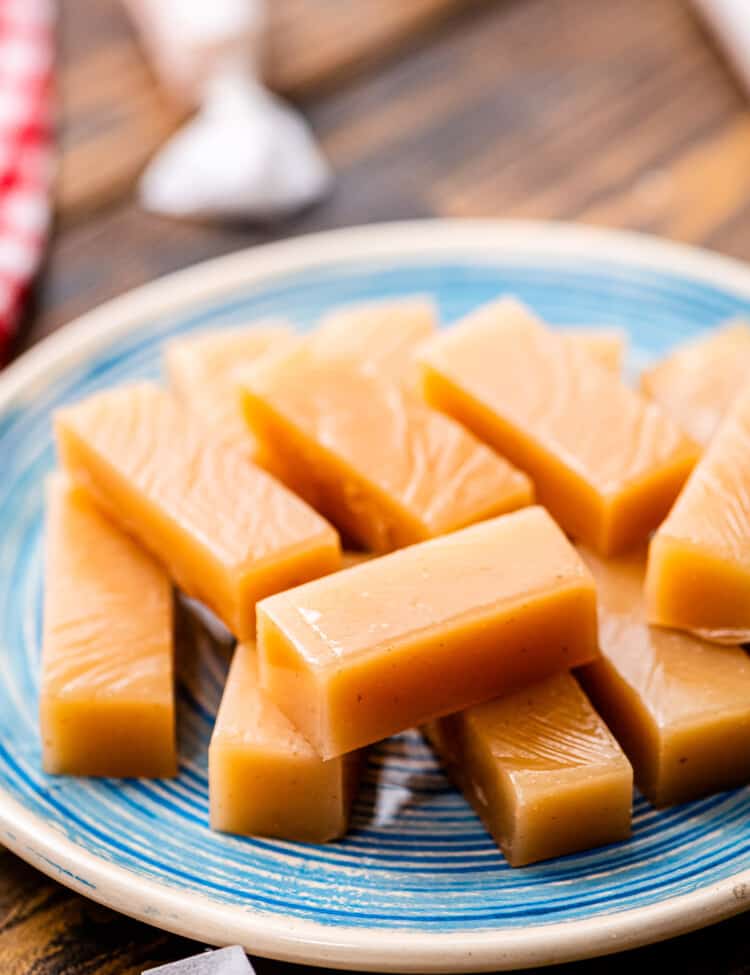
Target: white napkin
225, 961
246, 153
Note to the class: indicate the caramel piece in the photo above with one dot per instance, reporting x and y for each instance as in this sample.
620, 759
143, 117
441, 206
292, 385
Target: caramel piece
377, 338
679, 707
380, 336
425, 631
385, 468
606, 462
606, 345
204, 371
699, 560
228, 532
107, 697
541, 770
350, 558
264, 777
697, 383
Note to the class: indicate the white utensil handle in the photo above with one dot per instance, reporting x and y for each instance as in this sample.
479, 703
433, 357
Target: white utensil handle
188, 41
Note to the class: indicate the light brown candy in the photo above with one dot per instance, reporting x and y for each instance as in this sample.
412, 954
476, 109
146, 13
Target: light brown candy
107, 695
607, 463
680, 707
541, 770
401, 639
386, 469
264, 777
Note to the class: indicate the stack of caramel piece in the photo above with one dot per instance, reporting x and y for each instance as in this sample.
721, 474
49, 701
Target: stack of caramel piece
499, 484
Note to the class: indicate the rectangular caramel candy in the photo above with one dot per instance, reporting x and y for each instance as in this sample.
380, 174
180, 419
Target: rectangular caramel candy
204, 372
541, 770
426, 631
381, 336
680, 707
699, 560
697, 383
264, 777
107, 696
228, 532
607, 463
382, 466
606, 345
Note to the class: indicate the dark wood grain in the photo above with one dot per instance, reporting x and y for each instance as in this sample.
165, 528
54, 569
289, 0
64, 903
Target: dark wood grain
47, 930
617, 113
525, 108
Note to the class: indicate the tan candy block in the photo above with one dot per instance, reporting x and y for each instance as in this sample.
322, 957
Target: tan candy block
383, 467
426, 631
380, 336
204, 371
606, 462
699, 560
679, 706
697, 383
264, 777
541, 770
608, 346
107, 697
227, 531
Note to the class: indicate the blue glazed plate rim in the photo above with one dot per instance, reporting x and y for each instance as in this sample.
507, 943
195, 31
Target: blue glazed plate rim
294, 939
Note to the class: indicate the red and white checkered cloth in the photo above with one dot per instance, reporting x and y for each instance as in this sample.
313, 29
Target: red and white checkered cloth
26, 150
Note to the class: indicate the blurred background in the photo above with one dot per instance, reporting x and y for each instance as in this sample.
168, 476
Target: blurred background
617, 113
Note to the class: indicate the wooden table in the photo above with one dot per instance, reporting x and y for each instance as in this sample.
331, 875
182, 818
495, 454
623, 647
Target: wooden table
617, 113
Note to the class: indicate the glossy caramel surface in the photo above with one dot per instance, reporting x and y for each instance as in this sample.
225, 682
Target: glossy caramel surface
699, 560
541, 769
397, 640
372, 607
549, 727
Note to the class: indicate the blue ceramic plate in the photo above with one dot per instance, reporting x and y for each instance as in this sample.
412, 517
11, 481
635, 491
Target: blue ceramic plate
417, 884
